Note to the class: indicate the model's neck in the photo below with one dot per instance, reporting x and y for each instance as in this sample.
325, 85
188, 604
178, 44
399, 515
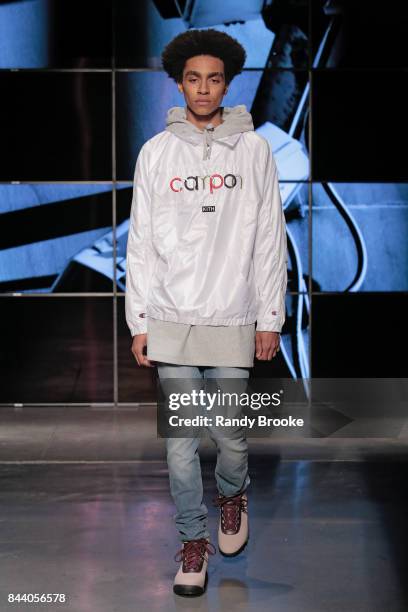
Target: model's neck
201, 121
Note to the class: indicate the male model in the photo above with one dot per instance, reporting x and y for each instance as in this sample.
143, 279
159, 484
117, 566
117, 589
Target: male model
206, 261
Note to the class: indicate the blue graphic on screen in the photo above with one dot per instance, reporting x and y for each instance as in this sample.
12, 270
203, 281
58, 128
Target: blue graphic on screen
357, 231
359, 236
24, 40
46, 227
25, 29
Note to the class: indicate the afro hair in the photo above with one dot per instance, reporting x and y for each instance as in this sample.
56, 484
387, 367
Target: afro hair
203, 42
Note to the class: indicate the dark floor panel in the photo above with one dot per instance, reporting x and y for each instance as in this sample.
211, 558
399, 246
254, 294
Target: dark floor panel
325, 537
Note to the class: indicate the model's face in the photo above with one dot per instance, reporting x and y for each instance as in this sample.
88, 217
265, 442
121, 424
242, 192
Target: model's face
203, 84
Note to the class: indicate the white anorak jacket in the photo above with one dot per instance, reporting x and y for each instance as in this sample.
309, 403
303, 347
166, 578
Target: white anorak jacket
207, 237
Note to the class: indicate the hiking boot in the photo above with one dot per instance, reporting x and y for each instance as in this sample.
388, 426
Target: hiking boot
192, 577
233, 529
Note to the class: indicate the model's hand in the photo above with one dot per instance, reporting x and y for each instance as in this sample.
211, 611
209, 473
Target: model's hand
138, 344
267, 345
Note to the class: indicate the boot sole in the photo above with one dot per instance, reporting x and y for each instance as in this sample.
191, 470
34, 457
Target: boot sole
190, 590
237, 552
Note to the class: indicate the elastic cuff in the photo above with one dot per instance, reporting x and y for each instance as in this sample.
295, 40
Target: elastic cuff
275, 327
140, 329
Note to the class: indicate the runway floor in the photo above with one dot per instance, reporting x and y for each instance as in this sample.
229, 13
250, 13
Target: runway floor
82, 514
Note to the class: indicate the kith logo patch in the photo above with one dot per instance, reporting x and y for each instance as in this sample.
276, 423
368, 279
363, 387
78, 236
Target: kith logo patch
208, 208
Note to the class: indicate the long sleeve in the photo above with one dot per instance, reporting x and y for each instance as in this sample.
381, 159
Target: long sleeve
141, 256
270, 253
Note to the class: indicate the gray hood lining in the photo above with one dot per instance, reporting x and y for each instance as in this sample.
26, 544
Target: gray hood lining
235, 120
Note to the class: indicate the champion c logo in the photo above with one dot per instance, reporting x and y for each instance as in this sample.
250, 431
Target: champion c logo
214, 181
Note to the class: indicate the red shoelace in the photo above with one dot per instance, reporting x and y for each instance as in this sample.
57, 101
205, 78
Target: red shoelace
231, 508
193, 554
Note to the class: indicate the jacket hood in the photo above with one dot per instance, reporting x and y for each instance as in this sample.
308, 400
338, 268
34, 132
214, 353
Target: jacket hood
235, 120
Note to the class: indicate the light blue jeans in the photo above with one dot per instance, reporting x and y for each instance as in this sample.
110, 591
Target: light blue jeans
231, 471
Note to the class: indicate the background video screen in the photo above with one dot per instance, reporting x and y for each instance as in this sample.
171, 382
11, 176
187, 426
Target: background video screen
82, 91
